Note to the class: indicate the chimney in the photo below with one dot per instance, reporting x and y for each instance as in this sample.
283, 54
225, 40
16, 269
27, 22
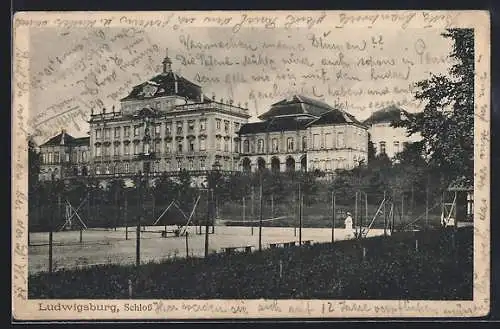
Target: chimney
103, 110
176, 86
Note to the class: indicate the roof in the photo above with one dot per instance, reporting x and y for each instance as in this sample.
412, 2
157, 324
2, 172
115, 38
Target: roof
164, 85
63, 138
295, 105
81, 141
335, 116
275, 124
386, 115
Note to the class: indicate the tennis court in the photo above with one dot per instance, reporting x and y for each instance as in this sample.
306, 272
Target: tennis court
107, 246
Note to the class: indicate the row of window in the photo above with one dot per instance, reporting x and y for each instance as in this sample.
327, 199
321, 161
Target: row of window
156, 128
330, 165
396, 147
290, 143
139, 148
57, 157
178, 164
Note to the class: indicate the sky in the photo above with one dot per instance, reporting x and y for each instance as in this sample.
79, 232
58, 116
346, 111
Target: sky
361, 70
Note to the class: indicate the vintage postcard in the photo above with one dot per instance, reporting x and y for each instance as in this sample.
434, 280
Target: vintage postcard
246, 164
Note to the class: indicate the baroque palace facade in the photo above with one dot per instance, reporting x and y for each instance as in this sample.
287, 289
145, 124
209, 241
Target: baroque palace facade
166, 124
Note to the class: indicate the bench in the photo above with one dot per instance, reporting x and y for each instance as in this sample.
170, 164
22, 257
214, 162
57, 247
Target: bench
289, 244
231, 250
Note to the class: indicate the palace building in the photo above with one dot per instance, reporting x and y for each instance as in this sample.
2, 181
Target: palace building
387, 139
163, 125
166, 124
64, 156
300, 133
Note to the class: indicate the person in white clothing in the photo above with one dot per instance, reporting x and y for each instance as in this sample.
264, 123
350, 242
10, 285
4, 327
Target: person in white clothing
348, 224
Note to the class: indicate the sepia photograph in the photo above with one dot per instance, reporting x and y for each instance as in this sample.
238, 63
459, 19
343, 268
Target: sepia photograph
250, 164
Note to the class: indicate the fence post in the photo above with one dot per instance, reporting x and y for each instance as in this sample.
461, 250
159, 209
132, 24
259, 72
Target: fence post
252, 208
300, 218
187, 244
385, 216
125, 211
333, 216
356, 221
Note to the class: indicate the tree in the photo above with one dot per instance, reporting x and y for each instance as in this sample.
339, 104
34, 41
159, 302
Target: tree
447, 121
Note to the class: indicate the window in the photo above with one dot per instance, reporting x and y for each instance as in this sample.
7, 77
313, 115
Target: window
340, 140
382, 147
289, 144
226, 126
97, 170
275, 145
203, 144
179, 147
191, 146
117, 132
202, 163
168, 128
246, 146
126, 149
107, 149
98, 150
126, 131
136, 130
179, 164
218, 144
236, 146
168, 147
191, 164
179, 128
260, 146
396, 147
49, 158
157, 147
191, 126
66, 157
107, 133
157, 129
226, 145
136, 148
98, 134
316, 141
236, 127
304, 143
328, 140
217, 124
126, 167
116, 150
167, 165
203, 124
